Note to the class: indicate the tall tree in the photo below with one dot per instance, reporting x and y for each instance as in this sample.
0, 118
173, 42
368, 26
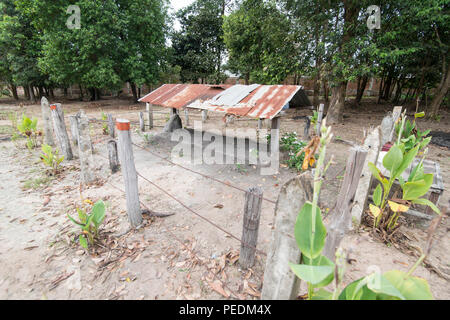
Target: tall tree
260, 42
198, 47
117, 41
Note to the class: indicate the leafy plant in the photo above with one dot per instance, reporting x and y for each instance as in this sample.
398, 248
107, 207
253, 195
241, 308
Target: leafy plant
28, 128
319, 271
291, 144
89, 223
50, 158
105, 125
411, 135
396, 161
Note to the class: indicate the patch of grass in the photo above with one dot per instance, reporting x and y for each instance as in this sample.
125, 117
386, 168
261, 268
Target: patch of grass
37, 183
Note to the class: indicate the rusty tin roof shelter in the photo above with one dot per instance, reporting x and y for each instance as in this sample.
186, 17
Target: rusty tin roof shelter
254, 101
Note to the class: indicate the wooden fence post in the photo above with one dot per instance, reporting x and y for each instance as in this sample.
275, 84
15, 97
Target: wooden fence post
339, 220
186, 117
373, 145
111, 127
74, 129
85, 148
204, 115
129, 173
280, 283
46, 115
141, 121
319, 118
307, 126
252, 215
59, 127
112, 155
260, 124
149, 115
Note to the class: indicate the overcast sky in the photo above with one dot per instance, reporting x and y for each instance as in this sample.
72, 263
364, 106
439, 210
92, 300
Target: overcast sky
176, 5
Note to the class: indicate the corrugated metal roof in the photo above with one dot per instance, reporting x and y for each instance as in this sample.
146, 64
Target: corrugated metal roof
179, 95
255, 101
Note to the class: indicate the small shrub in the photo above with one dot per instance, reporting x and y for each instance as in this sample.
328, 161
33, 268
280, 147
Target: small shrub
293, 146
318, 271
28, 128
105, 125
89, 223
50, 158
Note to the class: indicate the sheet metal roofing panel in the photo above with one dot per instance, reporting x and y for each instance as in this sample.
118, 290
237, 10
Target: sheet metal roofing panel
264, 102
179, 95
233, 95
255, 101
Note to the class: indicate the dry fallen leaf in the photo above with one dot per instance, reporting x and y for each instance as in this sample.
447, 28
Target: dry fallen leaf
219, 206
217, 286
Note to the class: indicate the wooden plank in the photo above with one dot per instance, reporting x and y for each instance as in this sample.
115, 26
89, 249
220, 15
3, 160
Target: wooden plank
373, 145
280, 283
141, 122
111, 126
85, 148
113, 156
149, 115
59, 126
339, 220
319, 118
74, 129
252, 215
129, 173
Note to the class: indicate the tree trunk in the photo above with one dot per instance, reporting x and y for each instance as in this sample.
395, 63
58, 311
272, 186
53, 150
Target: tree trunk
326, 92
133, 90
336, 110
33, 96
41, 92
14, 92
360, 90
440, 93
65, 92
81, 92
52, 93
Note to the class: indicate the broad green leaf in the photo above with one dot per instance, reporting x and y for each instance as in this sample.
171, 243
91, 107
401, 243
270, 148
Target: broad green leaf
98, 213
357, 290
311, 274
425, 142
379, 284
82, 215
411, 288
74, 221
321, 261
377, 195
416, 189
310, 244
417, 173
406, 162
427, 202
393, 159
83, 241
375, 171
322, 294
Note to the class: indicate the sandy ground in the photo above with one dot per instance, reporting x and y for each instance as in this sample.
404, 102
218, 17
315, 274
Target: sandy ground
181, 256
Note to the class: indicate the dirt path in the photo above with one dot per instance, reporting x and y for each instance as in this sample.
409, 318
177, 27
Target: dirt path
179, 257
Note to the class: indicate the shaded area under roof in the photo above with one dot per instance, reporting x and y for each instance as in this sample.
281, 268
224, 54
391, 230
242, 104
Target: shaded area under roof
254, 101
